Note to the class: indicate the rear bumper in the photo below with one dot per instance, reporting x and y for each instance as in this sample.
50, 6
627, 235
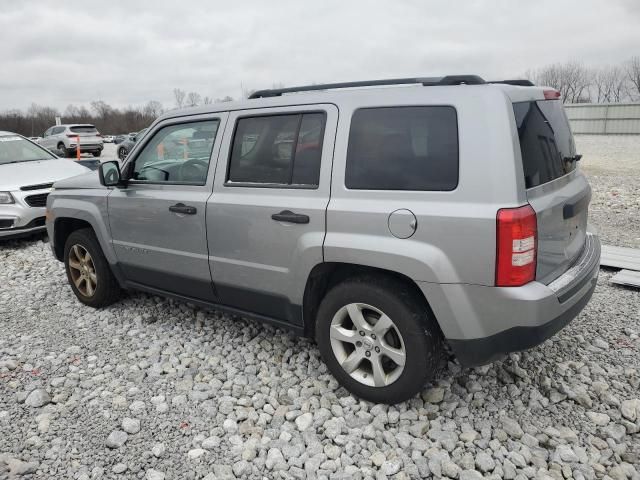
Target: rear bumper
483, 324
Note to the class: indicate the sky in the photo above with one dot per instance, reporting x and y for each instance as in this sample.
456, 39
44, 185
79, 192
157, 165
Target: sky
130, 52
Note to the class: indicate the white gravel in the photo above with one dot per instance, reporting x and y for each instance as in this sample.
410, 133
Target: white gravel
612, 163
155, 389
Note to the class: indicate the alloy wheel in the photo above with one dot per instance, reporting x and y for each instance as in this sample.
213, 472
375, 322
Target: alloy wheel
83, 270
367, 345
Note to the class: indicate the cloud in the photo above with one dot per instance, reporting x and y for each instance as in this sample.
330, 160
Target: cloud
127, 52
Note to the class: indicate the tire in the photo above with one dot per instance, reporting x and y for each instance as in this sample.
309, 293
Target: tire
122, 153
63, 149
414, 332
106, 290
97, 154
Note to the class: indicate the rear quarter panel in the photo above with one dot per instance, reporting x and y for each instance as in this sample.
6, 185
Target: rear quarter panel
455, 237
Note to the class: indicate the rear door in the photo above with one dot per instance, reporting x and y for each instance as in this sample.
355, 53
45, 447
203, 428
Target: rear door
266, 217
557, 191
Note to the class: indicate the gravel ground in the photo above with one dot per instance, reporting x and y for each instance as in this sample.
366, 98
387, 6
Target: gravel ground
612, 164
155, 389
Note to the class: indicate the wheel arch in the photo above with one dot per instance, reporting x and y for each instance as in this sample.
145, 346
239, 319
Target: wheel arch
325, 275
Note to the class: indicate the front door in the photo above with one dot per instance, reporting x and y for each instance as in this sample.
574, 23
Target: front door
158, 220
266, 217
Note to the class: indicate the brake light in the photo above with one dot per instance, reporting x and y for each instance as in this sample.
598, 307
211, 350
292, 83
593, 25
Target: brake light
516, 246
551, 94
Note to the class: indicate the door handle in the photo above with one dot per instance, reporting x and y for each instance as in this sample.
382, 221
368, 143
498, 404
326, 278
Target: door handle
289, 216
184, 209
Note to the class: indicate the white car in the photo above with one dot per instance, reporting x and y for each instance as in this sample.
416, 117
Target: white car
27, 172
64, 138
108, 138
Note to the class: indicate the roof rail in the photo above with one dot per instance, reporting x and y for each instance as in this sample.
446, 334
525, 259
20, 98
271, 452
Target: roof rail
520, 82
427, 82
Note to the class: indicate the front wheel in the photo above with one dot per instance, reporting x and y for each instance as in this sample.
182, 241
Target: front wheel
378, 339
88, 271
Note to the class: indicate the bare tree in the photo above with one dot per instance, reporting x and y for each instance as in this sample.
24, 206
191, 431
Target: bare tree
571, 79
193, 99
101, 108
224, 99
179, 95
207, 100
633, 74
609, 84
153, 108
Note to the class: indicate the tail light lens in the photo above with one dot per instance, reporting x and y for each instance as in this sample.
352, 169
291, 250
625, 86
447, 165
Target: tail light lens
517, 245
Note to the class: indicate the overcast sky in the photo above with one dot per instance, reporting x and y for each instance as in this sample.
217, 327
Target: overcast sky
129, 52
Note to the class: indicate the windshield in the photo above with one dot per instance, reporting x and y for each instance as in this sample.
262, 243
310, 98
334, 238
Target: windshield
15, 149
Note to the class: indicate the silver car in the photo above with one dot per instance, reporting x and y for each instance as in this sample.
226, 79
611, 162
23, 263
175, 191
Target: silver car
383, 222
27, 172
65, 139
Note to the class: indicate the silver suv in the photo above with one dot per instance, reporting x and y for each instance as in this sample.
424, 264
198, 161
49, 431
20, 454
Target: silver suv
383, 222
65, 138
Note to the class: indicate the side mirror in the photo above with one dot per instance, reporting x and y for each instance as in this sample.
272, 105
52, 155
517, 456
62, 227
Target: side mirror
109, 173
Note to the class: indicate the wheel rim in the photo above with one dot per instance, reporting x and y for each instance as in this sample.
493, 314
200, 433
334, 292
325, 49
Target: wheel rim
83, 270
122, 154
367, 345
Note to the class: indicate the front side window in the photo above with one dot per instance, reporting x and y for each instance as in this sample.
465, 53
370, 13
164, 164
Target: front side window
177, 154
403, 148
278, 150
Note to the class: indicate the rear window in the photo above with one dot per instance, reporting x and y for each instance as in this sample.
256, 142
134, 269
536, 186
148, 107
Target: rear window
403, 148
546, 144
278, 149
84, 129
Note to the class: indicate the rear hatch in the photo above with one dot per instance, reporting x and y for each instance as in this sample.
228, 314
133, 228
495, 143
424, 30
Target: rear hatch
88, 134
558, 193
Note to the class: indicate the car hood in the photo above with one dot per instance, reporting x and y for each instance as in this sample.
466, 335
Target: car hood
16, 175
88, 180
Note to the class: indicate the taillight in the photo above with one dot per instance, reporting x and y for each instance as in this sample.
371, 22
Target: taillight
551, 94
516, 246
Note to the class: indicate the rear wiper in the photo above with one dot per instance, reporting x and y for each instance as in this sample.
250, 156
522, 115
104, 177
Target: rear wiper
575, 158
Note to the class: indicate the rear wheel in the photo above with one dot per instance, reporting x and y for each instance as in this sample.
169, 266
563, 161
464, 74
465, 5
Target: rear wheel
122, 153
88, 271
378, 339
97, 154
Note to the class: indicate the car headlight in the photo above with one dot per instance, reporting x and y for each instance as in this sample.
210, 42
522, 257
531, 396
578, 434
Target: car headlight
6, 197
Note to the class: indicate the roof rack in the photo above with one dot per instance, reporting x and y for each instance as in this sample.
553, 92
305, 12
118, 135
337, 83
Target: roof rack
520, 82
427, 82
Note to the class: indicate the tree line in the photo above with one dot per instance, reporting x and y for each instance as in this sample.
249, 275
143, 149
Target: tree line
575, 82
580, 84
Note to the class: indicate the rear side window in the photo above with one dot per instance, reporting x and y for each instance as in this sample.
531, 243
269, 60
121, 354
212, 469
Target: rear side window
278, 150
403, 148
546, 144
84, 129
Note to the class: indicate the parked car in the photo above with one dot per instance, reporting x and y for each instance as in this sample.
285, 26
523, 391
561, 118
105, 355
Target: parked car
421, 214
64, 138
35, 139
125, 147
120, 138
27, 172
108, 138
